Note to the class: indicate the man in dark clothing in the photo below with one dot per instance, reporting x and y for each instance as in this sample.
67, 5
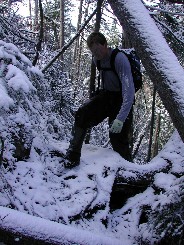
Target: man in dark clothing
114, 101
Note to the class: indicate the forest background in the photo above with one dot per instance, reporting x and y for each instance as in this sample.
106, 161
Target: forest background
64, 76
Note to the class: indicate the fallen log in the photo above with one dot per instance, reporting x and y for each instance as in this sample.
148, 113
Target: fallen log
21, 228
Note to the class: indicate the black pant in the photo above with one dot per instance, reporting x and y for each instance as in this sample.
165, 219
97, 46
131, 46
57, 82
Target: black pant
95, 110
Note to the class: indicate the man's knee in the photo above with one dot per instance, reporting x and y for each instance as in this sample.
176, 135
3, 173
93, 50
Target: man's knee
80, 118
91, 113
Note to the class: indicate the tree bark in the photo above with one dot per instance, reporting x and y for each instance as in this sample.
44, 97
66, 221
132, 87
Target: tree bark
78, 26
30, 13
148, 41
36, 15
78, 47
151, 125
61, 35
1, 150
40, 39
156, 138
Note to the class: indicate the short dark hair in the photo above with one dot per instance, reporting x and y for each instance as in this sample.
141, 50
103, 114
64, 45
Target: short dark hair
96, 37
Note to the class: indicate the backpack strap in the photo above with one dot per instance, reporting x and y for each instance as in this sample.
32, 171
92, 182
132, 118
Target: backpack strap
111, 68
112, 61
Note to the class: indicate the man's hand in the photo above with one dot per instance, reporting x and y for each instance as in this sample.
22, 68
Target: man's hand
116, 126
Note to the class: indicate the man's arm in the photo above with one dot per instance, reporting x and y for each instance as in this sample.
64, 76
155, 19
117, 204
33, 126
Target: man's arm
123, 70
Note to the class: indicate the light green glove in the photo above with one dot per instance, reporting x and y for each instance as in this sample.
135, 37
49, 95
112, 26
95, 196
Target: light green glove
116, 126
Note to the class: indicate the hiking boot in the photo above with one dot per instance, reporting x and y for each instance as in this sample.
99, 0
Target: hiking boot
73, 153
73, 159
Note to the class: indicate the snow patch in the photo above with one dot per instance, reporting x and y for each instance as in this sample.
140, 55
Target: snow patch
18, 80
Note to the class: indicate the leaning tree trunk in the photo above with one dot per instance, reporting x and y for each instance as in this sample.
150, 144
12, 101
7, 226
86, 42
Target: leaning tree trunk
159, 61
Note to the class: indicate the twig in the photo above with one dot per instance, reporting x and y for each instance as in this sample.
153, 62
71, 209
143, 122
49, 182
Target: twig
166, 27
164, 11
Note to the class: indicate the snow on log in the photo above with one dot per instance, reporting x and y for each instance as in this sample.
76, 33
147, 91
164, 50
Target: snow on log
25, 226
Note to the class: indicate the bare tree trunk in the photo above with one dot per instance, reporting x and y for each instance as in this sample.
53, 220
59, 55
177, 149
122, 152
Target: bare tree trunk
1, 150
36, 15
130, 14
30, 12
93, 68
157, 131
40, 39
151, 125
30, 16
78, 26
78, 47
61, 36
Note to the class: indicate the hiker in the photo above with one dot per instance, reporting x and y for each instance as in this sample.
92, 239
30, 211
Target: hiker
114, 100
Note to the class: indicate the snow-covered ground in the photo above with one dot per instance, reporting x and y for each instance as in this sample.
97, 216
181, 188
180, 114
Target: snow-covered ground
43, 188
62, 199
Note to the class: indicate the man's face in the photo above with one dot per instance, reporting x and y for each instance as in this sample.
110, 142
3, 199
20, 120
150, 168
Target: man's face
99, 51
